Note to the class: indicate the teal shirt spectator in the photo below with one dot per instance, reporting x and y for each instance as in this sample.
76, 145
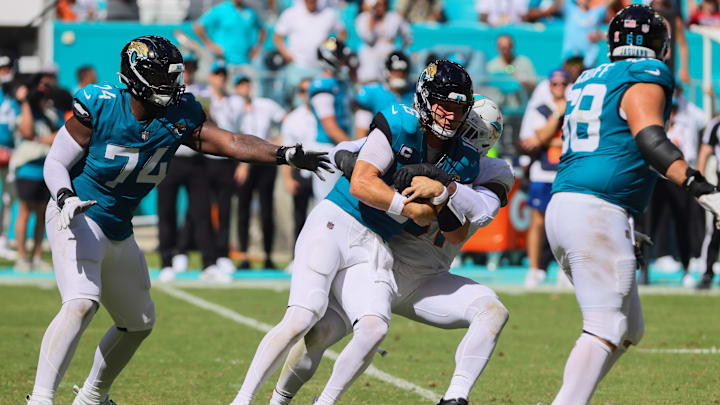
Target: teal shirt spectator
234, 29
9, 111
579, 24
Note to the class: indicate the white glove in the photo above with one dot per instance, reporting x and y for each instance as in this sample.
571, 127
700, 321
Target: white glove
711, 202
73, 206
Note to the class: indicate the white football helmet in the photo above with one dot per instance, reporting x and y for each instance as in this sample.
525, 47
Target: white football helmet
484, 125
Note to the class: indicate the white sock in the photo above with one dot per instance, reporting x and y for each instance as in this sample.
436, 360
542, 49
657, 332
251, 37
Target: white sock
272, 350
58, 345
474, 352
583, 371
369, 332
112, 355
304, 358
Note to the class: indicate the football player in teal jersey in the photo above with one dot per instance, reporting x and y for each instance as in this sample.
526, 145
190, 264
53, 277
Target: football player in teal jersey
373, 97
351, 227
614, 146
114, 149
427, 292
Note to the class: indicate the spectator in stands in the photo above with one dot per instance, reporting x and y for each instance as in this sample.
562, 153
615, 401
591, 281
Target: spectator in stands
305, 26
38, 124
233, 32
711, 245
584, 27
705, 14
541, 10
543, 141
259, 115
79, 10
421, 11
517, 66
226, 111
46, 82
501, 12
9, 112
85, 75
378, 29
677, 34
299, 127
671, 204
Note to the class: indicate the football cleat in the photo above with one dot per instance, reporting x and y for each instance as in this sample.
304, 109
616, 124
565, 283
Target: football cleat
81, 400
456, 401
705, 282
167, 274
31, 401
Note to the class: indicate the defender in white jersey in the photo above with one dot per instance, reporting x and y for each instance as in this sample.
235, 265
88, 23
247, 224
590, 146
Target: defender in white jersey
426, 291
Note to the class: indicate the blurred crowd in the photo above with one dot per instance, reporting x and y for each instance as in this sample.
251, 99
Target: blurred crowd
291, 92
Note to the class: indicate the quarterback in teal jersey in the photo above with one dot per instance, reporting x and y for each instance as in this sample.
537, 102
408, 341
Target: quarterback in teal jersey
395, 89
115, 148
614, 146
351, 227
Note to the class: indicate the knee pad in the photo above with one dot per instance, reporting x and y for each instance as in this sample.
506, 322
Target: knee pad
143, 321
81, 309
371, 329
611, 325
490, 311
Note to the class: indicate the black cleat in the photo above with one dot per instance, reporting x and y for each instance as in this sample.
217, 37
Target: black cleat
704, 284
456, 401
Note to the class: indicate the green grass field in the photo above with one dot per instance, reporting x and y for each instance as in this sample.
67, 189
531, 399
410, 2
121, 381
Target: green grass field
195, 356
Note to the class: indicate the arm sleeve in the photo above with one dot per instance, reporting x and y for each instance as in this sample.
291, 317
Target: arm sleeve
351, 146
322, 103
63, 155
377, 151
477, 203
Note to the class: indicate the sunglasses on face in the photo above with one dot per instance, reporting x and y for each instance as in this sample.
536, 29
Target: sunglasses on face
558, 83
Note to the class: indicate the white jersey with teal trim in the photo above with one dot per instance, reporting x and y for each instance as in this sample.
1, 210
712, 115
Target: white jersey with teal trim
424, 249
600, 156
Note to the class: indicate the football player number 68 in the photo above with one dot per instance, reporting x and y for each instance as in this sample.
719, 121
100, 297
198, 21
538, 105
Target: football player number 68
581, 130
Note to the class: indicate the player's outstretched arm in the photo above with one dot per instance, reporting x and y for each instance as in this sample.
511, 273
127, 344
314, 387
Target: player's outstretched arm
644, 104
248, 148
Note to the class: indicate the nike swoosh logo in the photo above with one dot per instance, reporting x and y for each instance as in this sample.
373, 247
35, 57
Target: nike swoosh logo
655, 72
87, 96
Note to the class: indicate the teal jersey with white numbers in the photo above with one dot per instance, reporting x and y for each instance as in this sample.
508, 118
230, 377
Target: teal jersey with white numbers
401, 126
376, 96
600, 156
126, 158
338, 90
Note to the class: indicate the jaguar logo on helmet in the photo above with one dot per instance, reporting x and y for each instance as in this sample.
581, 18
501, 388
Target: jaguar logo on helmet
137, 48
430, 71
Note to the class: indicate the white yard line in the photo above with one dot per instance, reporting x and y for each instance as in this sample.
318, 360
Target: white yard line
712, 350
264, 327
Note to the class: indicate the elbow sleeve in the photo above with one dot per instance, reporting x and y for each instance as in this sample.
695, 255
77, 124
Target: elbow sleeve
656, 148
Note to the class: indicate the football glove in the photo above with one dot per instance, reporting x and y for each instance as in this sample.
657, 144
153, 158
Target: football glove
403, 177
641, 240
298, 158
71, 207
345, 161
711, 202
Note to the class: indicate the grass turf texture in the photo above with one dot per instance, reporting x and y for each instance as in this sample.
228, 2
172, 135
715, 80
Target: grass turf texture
197, 357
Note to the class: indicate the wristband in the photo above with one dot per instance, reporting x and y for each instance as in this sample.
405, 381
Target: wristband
396, 206
441, 198
280, 155
62, 195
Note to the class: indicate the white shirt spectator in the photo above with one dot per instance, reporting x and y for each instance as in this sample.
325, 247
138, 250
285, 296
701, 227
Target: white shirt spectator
259, 116
226, 113
502, 12
304, 31
533, 120
687, 123
300, 126
379, 42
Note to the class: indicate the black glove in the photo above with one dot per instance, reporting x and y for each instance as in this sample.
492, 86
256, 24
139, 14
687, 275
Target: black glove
403, 177
696, 185
345, 161
298, 158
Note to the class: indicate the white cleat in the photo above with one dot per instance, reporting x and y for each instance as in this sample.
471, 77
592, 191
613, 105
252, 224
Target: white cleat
225, 265
180, 263
167, 274
212, 274
534, 278
22, 265
31, 401
38, 264
688, 281
666, 264
81, 400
